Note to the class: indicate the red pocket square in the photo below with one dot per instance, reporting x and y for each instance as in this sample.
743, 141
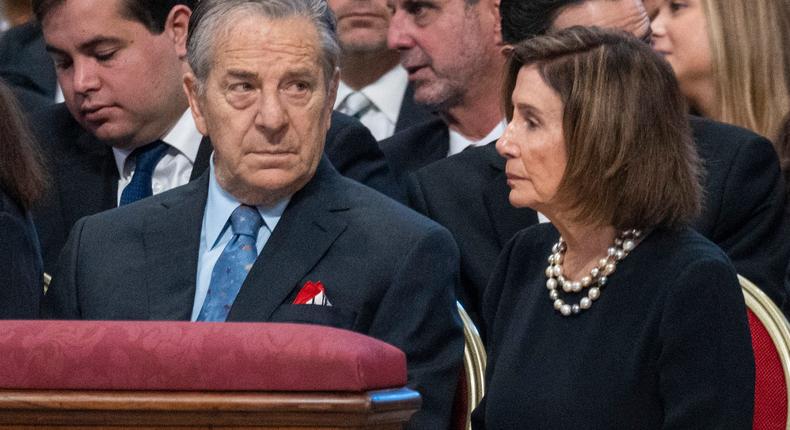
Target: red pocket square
312, 293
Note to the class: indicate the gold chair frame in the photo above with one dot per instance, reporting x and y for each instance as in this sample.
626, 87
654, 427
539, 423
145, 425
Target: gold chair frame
775, 323
474, 363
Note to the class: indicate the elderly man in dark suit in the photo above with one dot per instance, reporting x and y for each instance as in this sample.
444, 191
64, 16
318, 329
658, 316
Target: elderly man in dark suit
743, 204
272, 232
120, 64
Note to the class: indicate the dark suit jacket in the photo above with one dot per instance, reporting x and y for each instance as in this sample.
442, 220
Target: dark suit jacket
86, 177
416, 147
27, 67
388, 272
21, 276
411, 113
742, 207
468, 194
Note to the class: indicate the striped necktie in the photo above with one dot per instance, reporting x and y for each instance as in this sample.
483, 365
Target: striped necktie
356, 104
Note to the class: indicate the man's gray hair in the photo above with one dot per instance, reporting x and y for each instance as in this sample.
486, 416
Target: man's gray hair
212, 17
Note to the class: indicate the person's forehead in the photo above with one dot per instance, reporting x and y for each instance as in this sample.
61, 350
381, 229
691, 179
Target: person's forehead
85, 24
86, 9
627, 15
531, 88
289, 39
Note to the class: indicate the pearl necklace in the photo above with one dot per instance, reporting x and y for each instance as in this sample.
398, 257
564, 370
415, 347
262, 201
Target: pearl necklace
624, 243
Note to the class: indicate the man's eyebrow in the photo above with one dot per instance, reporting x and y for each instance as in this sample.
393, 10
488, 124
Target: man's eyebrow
241, 74
90, 45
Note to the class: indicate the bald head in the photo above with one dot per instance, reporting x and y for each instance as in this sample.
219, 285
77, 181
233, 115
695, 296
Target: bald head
626, 15
524, 19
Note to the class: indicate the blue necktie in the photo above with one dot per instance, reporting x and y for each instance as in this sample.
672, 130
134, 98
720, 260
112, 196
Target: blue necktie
146, 158
233, 264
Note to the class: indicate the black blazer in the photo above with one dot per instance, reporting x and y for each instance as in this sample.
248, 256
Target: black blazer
666, 346
86, 177
416, 147
21, 275
411, 113
388, 272
27, 67
742, 206
468, 194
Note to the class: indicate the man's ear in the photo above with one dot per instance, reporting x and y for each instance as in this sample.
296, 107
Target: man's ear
497, 23
193, 95
332, 87
177, 26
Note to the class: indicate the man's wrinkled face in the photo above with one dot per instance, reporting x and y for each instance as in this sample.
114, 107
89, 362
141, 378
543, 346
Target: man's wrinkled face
266, 106
120, 81
444, 46
362, 24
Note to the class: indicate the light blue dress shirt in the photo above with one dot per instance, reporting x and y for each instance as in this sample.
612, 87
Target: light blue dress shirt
216, 233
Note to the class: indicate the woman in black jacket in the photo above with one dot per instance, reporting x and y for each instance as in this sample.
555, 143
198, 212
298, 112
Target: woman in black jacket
22, 182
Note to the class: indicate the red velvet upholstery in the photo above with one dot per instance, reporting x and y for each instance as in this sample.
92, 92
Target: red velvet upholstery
104, 355
460, 403
770, 390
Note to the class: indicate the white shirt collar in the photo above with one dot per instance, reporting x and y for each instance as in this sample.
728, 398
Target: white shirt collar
220, 205
184, 137
459, 142
386, 93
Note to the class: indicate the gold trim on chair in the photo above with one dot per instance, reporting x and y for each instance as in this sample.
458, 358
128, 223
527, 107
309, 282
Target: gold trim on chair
474, 363
775, 324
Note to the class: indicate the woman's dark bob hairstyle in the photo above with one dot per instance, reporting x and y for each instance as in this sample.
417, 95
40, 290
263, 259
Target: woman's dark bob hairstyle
631, 161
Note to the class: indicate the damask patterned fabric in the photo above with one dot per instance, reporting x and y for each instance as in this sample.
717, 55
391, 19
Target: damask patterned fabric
110, 355
770, 387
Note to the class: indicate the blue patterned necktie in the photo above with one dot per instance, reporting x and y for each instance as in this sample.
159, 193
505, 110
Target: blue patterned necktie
146, 159
233, 264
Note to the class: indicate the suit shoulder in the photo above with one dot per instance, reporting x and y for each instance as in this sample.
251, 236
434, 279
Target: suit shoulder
478, 163
536, 239
341, 121
134, 212
413, 135
17, 37
695, 247
372, 207
710, 133
55, 124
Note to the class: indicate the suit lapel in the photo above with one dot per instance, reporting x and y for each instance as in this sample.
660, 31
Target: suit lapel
92, 180
202, 159
506, 219
305, 232
172, 242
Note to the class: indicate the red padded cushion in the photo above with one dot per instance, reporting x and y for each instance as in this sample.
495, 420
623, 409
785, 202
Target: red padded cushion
121, 355
770, 389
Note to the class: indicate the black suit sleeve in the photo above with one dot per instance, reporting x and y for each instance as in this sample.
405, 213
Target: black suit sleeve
422, 320
60, 301
751, 228
489, 307
706, 365
415, 196
354, 152
21, 282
